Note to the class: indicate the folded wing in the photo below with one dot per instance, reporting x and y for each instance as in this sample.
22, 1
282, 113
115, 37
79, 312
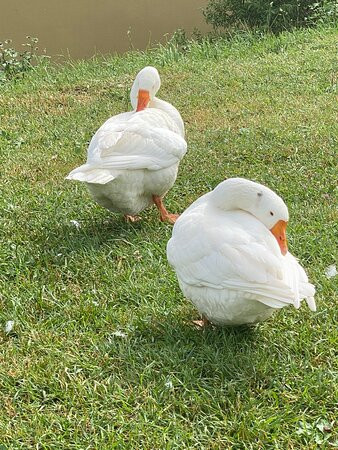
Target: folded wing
229, 257
145, 140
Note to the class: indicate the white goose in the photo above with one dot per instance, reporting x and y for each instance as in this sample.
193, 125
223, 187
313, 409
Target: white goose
229, 251
133, 158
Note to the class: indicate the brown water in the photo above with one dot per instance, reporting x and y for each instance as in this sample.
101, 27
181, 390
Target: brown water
81, 28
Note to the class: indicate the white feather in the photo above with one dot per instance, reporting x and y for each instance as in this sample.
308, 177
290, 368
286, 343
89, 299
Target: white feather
133, 156
230, 266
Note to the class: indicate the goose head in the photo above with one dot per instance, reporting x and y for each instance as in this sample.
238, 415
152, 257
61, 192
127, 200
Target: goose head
258, 200
145, 87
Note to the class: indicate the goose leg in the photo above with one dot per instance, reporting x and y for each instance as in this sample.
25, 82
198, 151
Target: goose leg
129, 218
165, 216
203, 323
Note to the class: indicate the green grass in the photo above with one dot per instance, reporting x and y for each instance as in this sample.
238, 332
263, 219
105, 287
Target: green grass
262, 108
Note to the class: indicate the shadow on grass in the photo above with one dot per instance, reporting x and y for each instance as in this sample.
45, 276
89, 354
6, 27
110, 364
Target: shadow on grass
171, 333
70, 238
189, 357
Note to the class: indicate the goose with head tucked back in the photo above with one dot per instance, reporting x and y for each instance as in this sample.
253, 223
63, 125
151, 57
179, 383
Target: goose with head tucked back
133, 158
230, 254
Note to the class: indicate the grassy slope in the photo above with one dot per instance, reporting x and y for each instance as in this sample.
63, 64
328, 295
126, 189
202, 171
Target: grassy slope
259, 109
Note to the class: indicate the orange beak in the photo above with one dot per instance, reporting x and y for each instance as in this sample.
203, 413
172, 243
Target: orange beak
279, 231
143, 99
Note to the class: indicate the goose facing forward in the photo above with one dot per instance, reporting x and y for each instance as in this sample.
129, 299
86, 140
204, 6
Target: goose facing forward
229, 251
133, 158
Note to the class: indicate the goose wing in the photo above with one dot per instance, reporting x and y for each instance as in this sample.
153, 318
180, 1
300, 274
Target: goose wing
144, 140
236, 252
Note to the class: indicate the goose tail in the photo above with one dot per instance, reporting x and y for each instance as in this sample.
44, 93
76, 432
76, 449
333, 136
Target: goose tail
89, 174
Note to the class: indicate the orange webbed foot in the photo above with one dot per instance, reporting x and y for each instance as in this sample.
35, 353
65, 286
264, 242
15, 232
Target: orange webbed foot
202, 323
132, 219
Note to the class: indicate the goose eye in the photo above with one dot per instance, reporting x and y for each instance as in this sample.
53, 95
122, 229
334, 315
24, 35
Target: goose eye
271, 213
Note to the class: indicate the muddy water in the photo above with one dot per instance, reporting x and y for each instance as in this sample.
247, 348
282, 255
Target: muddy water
81, 28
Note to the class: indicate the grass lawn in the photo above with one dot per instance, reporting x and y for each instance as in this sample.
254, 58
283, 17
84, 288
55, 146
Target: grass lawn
102, 353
